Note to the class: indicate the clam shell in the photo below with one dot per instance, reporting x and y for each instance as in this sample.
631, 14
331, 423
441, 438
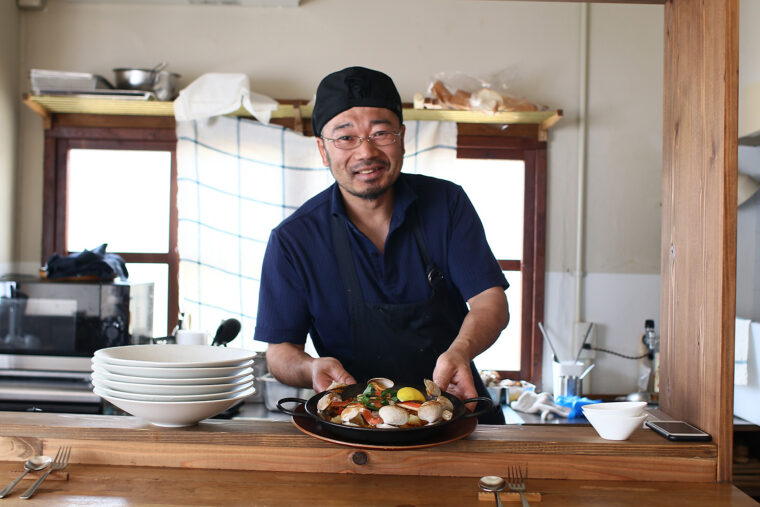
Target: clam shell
432, 388
350, 413
381, 383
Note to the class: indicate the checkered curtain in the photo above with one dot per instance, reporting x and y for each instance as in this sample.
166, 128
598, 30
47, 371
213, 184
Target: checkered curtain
237, 179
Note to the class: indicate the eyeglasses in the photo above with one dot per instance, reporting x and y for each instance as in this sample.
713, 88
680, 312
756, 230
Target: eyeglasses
379, 138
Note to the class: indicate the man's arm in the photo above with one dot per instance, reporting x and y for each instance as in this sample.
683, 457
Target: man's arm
488, 316
292, 366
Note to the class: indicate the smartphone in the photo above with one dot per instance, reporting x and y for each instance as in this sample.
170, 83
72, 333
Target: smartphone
678, 430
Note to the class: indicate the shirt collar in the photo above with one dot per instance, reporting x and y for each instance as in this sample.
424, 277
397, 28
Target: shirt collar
405, 196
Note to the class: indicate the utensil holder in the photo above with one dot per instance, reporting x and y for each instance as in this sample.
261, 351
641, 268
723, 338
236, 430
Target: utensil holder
566, 378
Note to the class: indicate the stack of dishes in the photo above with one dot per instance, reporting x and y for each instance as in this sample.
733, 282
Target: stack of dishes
173, 385
615, 420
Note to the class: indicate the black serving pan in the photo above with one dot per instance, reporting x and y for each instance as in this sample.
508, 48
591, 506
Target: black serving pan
383, 435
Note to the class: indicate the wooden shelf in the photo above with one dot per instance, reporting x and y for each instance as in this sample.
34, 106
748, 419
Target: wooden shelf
46, 105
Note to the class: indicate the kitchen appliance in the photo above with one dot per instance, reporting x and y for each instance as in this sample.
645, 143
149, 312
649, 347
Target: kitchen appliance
157, 80
49, 331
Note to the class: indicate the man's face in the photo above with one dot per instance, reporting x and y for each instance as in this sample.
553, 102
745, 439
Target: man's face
366, 171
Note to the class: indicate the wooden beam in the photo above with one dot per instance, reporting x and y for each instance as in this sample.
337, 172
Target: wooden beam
698, 288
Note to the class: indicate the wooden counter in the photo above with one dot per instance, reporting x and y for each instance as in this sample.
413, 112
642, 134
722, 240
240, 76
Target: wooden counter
112, 485
549, 452
124, 461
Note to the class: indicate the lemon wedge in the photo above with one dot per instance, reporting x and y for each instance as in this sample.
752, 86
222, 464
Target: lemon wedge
409, 394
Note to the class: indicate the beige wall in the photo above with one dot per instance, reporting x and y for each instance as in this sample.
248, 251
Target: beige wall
286, 51
9, 106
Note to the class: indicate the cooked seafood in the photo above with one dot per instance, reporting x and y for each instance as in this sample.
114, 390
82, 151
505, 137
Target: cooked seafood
432, 389
430, 411
382, 406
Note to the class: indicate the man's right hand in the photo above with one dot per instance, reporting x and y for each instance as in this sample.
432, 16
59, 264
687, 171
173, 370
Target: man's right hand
292, 366
325, 371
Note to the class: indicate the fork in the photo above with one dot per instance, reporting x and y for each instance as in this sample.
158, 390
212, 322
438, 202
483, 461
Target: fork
516, 483
59, 463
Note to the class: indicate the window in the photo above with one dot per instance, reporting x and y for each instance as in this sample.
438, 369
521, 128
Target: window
115, 182
502, 217
512, 159
516, 147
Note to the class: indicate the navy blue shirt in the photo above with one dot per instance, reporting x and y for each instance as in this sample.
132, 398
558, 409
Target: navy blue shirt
301, 287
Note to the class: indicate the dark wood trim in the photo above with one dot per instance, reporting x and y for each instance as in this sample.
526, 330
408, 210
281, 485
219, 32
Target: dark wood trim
490, 153
527, 360
539, 261
141, 257
60, 201
522, 130
510, 265
173, 302
94, 121
49, 196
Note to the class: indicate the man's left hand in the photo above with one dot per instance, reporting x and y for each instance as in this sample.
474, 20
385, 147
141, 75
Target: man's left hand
452, 374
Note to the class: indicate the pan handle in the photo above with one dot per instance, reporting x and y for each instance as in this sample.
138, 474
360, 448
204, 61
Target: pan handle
489, 406
289, 400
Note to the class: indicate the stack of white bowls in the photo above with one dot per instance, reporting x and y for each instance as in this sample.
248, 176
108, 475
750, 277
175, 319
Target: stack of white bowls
173, 385
615, 420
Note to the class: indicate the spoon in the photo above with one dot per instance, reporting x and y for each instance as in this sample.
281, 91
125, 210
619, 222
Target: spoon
34, 464
493, 484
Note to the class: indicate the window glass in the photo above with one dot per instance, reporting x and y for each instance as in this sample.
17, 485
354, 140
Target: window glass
496, 189
119, 197
505, 353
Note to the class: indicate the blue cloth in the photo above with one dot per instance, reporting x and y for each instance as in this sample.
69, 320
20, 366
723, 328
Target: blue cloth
575, 403
301, 288
95, 262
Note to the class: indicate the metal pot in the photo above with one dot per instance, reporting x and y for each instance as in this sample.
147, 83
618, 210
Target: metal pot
379, 435
161, 82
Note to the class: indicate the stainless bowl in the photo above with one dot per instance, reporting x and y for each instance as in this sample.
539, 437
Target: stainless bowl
162, 83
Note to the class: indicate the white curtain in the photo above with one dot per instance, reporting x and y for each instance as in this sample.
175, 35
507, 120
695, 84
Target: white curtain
237, 179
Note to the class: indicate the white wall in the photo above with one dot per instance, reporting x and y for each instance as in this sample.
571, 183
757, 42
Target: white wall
285, 52
9, 106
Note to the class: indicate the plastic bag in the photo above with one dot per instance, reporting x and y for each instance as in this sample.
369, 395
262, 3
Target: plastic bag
575, 403
467, 93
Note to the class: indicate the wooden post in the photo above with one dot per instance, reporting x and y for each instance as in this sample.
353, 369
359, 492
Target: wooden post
698, 288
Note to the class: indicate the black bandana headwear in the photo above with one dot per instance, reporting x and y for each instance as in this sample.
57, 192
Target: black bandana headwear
353, 87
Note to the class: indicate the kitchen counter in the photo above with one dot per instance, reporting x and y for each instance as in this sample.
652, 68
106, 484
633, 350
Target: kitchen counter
123, 460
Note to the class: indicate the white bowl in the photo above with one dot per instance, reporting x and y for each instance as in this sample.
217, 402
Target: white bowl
174, 356
171, 381
158, 372
137, 388
175, 414
614, 427
617, 407
172, 398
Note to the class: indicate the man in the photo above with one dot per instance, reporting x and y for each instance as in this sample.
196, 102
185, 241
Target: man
377, 268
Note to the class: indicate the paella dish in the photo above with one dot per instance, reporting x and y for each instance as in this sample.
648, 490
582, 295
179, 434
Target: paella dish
382, 405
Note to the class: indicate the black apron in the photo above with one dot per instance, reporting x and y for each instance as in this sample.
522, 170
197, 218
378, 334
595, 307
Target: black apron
401, 342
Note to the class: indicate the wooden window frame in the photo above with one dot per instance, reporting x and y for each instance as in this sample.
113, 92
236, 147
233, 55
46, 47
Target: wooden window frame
71, 131
526, 143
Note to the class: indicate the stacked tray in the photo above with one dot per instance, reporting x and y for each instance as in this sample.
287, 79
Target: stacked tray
173, 385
